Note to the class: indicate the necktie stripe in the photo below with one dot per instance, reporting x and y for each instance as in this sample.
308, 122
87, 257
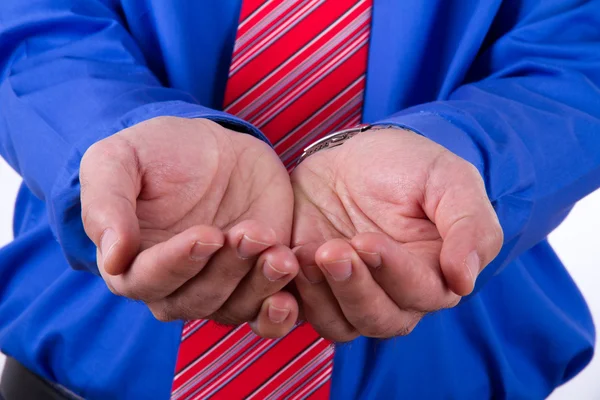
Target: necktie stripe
303, 376
215, 368
276, 34
321, 392
323, 115
306, 38
315, 92
262, 368
213, 385
247, 86
298, 73
283, 96
205, 357
298, 370
320, 379
191, 327
250, 9
210, 377
283, 374
247, 40
293, 75
203, 340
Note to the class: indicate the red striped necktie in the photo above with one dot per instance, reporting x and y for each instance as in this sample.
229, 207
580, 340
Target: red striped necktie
297, 73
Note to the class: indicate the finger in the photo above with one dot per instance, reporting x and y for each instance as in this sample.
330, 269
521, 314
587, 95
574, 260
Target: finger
204, 294
319, 305
161, 269
409, 274
458, 204
277, 316
275, 268
364, 303
110, 183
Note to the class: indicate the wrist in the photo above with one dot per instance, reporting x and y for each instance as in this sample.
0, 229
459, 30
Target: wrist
338, 138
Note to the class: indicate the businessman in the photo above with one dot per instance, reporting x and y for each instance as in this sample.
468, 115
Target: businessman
155, 139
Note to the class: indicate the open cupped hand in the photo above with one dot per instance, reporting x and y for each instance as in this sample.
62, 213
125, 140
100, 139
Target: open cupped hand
194, 220
387, 227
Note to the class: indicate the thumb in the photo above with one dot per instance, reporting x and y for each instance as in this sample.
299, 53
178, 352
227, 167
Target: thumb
110, 183
471, 234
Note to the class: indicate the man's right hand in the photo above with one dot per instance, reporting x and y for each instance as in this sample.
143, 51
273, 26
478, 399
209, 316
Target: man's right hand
194, 220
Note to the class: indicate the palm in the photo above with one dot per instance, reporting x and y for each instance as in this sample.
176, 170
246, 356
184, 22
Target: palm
388, 226
344, 191
208, 177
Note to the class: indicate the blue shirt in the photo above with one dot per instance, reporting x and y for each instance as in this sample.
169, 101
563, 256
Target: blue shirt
511, 86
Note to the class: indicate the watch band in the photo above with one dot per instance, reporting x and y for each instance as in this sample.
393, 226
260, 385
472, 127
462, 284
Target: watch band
338, 138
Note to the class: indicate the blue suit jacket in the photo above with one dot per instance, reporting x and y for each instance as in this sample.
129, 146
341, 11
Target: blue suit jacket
512, 86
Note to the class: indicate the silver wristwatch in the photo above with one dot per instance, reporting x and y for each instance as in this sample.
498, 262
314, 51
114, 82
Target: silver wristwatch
338, 138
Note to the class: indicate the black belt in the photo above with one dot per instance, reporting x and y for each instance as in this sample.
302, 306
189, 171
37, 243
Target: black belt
19, 383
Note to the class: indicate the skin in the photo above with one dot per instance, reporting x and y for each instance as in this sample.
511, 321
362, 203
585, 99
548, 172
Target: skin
194, 220
388, 227
385, 228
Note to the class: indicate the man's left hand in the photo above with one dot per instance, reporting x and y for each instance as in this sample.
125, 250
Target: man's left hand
387, 227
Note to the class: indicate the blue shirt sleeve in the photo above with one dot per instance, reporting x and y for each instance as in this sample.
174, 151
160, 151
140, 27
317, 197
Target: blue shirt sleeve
71, 75
528, 117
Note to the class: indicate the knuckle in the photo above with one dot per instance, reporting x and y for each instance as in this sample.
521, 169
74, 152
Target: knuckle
406, 327
446, 302
132, 292
182, 309
162, 313
210, 302
440, 303
235, 313
135, 289
344, 336
223, 317
373, 325
384, 328
336, 330
199, 305
403, 330
410, 325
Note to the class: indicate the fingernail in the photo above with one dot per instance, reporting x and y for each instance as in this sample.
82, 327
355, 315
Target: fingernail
249, 247
313, 273
373, 260
339, 270
277, 315
201, 251
473, 264
272, 273
108, 241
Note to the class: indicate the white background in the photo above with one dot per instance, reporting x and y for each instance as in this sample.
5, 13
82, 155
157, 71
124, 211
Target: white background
577, 241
